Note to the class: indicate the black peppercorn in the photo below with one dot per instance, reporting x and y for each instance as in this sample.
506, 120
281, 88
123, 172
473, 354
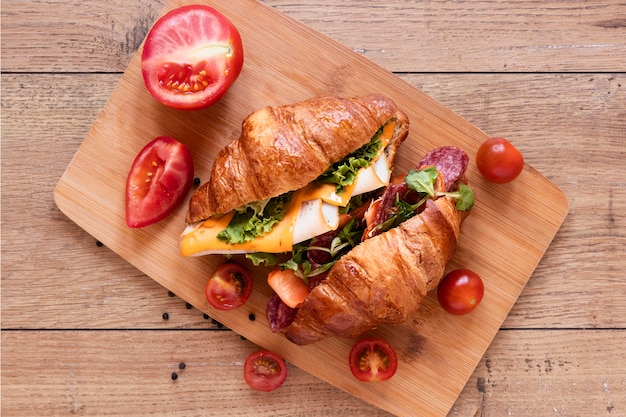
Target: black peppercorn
181, 365
166, 316
174, 376
251, 317
196, 181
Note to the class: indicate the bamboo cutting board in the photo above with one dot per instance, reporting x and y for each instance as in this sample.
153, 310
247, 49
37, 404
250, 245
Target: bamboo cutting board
503, 239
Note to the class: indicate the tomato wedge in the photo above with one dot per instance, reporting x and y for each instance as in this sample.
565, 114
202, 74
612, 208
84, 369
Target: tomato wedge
158, 181
289, 287
264, 371
373, 359
191, 57
229, 287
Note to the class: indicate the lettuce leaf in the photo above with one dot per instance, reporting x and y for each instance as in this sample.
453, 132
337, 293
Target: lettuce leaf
254, 220
343, 173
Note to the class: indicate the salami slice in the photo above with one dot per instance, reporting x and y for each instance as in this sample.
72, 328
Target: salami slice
450, 161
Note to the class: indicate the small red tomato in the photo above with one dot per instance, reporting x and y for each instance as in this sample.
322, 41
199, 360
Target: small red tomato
158, 181
460, 291
229, 287
499, 161
372, 359
264, 371
191, 57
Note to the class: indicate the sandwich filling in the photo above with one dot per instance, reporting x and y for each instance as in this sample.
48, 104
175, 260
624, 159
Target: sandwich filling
277, 224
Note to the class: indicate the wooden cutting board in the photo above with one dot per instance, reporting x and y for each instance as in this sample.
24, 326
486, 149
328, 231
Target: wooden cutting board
503, 240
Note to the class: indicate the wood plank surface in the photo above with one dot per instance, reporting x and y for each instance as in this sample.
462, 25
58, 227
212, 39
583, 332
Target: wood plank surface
524, 373
61, 61
400, 35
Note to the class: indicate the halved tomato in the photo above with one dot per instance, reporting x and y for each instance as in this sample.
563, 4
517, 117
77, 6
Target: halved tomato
229, 287
264, 371
373, 359
191, 57
158, 181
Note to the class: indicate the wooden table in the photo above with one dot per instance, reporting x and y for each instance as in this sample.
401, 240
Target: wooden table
85, 333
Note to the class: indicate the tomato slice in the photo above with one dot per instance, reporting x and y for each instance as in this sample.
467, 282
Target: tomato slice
499, 161
264, 371
289, 287
373, 359
460, 291
191, 57
158, 181
229, 287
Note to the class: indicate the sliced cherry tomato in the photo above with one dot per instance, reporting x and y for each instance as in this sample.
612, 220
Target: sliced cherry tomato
158, 181
499, 161
191, 57
264, 371
229, 287
460, 291
373, 359
289, 287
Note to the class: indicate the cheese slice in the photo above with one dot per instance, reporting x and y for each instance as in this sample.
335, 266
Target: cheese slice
312, 211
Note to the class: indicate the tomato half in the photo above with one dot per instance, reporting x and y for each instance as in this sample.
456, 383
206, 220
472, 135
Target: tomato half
158, 181
264, 371
191, 57
460, 291
372, 359
499, 161
229, 287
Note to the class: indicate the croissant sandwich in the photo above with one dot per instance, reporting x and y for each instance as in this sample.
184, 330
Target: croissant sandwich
292, 172
308, 187
408, 234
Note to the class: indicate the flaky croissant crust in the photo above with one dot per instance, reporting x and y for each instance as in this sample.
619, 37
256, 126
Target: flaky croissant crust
382, 280
284, 148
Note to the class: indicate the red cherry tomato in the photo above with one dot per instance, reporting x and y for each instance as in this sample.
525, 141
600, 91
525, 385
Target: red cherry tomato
373, 359
229, 287
158, 181
499, 161
191, 57
264, 371
460, 291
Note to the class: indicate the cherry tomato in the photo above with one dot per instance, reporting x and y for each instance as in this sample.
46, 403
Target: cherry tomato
264, 371
158, 181
191, 57
373, 359
499, 161
229, 287
460, 291
289, 287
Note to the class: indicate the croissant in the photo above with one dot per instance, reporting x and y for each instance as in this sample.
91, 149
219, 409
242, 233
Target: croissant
284, 148
363, 291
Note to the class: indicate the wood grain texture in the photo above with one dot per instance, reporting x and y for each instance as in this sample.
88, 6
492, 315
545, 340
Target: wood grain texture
524, 373
400, 35
60, 63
